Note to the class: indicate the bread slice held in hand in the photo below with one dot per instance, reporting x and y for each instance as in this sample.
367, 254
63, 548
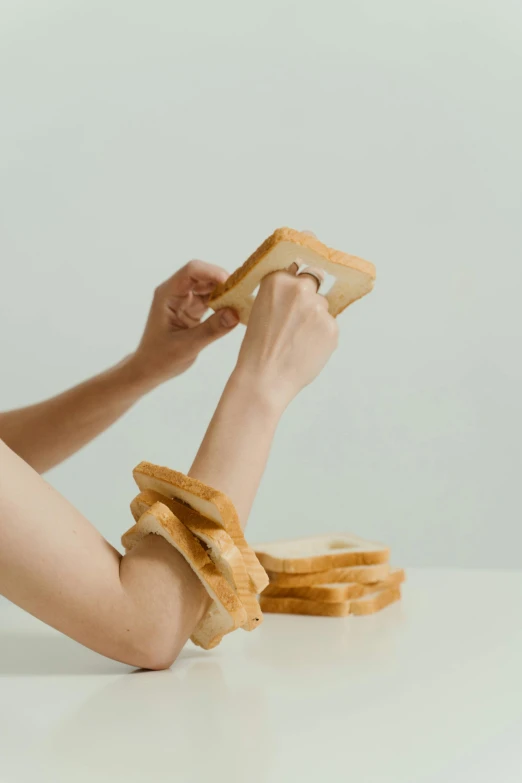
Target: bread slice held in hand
226, 612
354, 277
209, 502
320, 553
218, 544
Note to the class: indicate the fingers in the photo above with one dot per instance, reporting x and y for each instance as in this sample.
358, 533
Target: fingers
196, 276
309, 279
312, 278
185, 311
212, 329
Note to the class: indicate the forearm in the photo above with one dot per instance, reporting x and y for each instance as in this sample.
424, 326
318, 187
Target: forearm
234, 451
47, 433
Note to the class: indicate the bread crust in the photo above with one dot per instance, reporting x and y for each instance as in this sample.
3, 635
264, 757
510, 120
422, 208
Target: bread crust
363, 574
357, 606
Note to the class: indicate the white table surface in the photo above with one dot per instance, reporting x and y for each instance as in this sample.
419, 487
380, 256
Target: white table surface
427, 690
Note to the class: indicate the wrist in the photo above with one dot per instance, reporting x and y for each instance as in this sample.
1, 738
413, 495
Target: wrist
256, 390
134, 375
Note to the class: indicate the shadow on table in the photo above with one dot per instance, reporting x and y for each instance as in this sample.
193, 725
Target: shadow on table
37, 654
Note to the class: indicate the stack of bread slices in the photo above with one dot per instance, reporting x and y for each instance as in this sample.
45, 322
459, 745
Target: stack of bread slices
329, 575
202, 524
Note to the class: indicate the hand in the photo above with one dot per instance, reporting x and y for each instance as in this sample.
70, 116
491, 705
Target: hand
174, 334
290, 335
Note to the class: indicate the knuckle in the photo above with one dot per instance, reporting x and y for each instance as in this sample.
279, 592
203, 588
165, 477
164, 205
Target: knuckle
277, 280
282, 279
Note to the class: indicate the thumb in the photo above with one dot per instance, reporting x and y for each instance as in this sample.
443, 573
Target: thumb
213, 328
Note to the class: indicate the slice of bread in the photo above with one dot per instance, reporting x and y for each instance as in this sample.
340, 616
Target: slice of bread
376, 601
303, 606
361, 574
335, 592
368, 604
219, 546
226, 612
211, 503
320, 553
354, 276
395, 578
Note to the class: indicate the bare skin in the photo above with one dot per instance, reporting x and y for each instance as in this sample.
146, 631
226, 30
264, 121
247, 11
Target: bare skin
174, 335
141, 608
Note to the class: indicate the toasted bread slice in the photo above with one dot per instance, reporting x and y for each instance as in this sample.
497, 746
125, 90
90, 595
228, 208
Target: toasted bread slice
374, 602
226, 612
354, 276
360, 574
320, 553
211, 503
303, 606
220, 548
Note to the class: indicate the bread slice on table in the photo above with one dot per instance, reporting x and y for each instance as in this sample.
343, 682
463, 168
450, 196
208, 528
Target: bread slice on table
303, 606
219, 546
332, 593
226, 612
335, 592
320, 553
395, 578
361, 574
354, 276
368, 604
211, 503
374, 602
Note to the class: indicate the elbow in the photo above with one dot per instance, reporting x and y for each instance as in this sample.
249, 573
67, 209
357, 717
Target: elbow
156, 663
153, 652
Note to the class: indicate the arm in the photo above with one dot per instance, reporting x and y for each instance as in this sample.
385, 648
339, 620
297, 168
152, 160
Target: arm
47, 433
55, 565
142, 608
289, 339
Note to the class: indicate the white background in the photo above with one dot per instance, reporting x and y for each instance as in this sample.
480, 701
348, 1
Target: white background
135, 136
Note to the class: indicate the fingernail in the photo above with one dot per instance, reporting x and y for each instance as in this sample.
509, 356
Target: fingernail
229, 318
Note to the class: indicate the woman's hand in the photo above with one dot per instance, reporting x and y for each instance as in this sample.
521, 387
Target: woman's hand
174, 333
290, 335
